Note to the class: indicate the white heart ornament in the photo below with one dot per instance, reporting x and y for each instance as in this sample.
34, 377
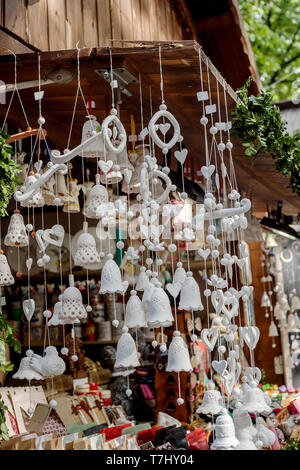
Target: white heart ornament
127, 175
217, 299
38, 165
29, 263
204, 253
253, 373
233, 311
207, 171
219, 366
209, 337
164, 128
181, 155
105, 166
229, 381
28, 308
250, 335
173, 289
55, 235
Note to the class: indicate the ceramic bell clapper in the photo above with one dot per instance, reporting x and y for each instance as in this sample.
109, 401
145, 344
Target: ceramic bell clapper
37, 199
127, 355
26, 372
16, 233
111, 281
96, 148
134, 314
86, 255
245, 432
254, 400
160, 312
72, 309
178, 355
98, 196
190, 298
52, 364
212, 401
6, 277
225, 438
142, 280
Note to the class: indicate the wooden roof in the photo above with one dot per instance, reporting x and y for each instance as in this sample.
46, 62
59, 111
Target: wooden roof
181, 83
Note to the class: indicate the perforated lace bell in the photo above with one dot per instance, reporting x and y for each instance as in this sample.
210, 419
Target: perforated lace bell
265, 300
6, 277
225, 433
134, 315
264, 435
86, 254
98, 196
72, 309
254, 400
245, 432
178, 355
96, 148
160, 312
180, 274
273, 331
37, 199
51, 363
26, 371
127, 355
142, 280
212, 401
56, 319
190, 298
111, 280
16, 233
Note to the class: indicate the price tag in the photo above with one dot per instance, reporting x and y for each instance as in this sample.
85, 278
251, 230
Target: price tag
228, 126
38, 95
210, 109
114, 84
143, 134
220, 126
132, 138
3, 301
202, 95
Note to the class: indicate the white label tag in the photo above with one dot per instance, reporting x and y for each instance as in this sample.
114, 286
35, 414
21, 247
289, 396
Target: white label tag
132, 138
3, 301
144, 132
220, 126
114, 84
211, 108
93, 104
228, 126
202, 95
38, 95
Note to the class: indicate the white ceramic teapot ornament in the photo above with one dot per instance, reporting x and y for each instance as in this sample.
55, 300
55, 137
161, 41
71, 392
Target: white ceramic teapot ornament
134, 314
178, 355
86, 255
6, 278
16, 233
51, 363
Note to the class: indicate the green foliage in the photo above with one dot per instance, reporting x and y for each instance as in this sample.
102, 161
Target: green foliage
291, 444
3, 429
273, 28
259, 124
8, 174
7, 333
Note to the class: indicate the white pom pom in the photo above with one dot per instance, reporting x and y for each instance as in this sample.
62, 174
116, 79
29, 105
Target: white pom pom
207, 292
149, 261
89, 308
124, 329
53, 403
180, 401
154, 344
29, 353
221, 349
172, 248
204, 120
115, 323
57, 201
64, 351
120, 245
47, 314
183, 195
74, 358
163, 348
128, 392
30, 411
29, 228
194, 338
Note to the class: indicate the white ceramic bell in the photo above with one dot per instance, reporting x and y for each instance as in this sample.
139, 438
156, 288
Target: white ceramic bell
135, 316
112, 177
190, 298
16, 232
120, 159
148, 291
244, 430
37, 199
273, 331
142, 280
96, 148
212, 401
295, 303
56, 319
180, 274
6, 277
86, 254
254, 400
178, 355
72, 309
127, 355
264, 435
51, 363
26, 372
224, 433
111, 280
160, 312
265, 300
98, 196
292, 322
72, 204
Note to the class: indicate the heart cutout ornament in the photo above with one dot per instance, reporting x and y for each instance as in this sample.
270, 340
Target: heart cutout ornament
38, 165
209, 337
219, 366
164, 128
207, 171
181, 155
250, 335
173, 289
127, 175
233, 311
217, 299
55, 235
28, 308
29, 263
105, 167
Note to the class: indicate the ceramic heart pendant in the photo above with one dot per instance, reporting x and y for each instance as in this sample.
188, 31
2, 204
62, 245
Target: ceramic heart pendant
229, 381
164, 128
54, 235
209, 337
105, 167
28, 308
219, 366
233, 311
207, 171
127, 175
173, 289
38, 165
29, 263
250, 334
204, 253
181, 155
217, 299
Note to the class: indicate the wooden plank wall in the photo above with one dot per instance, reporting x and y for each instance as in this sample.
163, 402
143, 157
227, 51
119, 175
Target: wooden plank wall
60, 24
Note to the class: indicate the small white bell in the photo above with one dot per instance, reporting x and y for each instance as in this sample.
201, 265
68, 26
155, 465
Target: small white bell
178, 355
273, 331
127, 355
120, 159
98, 196
56, 319
86, 254
295, 303
6, 277
37, 199
225, 433
264, 435
61, 189
72, 307
148, 291
292, 322
212, 401
265, 300
180, 274
25, 370
134, 184
96, 148
245, 432
160, 312
16, 233
254, 400
51, 363
142, 280
111, 280
190, 298
135, 315
48, 191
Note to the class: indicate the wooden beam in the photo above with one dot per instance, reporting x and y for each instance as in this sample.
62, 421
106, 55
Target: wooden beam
215, 22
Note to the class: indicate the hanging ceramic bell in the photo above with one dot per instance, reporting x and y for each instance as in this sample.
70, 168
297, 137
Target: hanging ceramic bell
72, 309
98, 196
160, 312
120, 159
190, 298
26, 372
254, 400
273, 329
86, 255
244, 430
72, 204
178, 355
16, 233
265, 300
135, 315
127, 355
56, 320
86, 189
180, 274
6, 278
142, 280
292, 323
111, 280
37, 199
96, 148
212, 401
295, 303
51, 363
148, 291
225, 433
264, 435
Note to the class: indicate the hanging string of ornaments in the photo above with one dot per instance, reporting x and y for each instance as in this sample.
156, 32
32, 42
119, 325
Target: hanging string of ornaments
223, 214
